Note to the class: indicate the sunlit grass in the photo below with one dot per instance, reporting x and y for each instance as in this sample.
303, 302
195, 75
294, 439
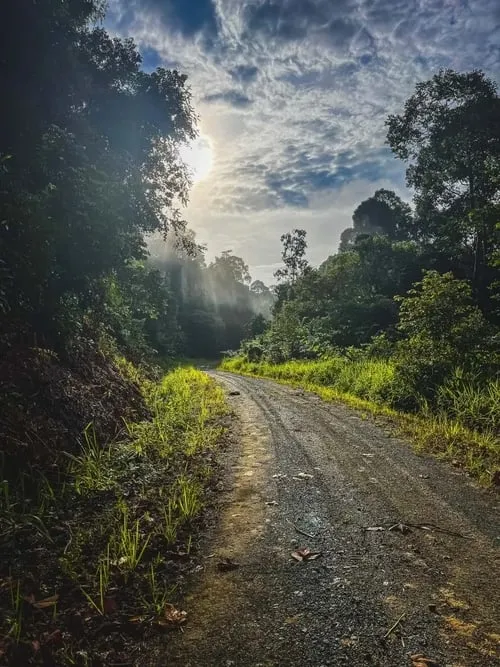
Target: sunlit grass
365, 385
186, 407
131, 498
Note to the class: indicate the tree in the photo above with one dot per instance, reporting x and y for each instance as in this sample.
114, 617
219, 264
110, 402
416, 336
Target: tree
293, 255
94, 162
449, 133
443, 329
384, 214
229, 268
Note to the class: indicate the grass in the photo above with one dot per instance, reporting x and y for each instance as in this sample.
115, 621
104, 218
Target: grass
15, 618
365, 385
130, 544
184, 406
110, 519
97, 602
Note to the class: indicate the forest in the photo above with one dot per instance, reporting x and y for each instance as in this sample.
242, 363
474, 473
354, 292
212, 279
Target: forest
406, 314
104, 288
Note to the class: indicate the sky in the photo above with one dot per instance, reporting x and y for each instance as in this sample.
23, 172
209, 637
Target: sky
292, 97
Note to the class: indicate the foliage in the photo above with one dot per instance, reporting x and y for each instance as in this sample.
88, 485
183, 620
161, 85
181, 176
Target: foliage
384, 214
129, 508
443, 330
293, 255
463, 436
450, 134
94, 162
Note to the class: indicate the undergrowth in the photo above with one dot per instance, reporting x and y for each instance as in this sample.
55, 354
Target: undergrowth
463, 429
108, 532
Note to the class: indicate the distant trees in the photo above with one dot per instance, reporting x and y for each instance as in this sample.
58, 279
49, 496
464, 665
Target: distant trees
419, 285
384, 214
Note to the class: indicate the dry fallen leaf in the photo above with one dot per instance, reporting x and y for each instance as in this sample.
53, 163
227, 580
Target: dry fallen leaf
43, 604
419, 660
226, 565
292, 620
172, 616
305, 554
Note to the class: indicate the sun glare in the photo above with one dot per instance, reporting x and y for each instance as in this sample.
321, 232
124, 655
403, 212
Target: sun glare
198, 155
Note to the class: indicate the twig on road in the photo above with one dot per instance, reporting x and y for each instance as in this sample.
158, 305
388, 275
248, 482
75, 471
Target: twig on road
432, 526
394, 626
403, 525
302, 532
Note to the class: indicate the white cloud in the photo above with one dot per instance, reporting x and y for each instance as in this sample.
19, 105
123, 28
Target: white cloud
324, 76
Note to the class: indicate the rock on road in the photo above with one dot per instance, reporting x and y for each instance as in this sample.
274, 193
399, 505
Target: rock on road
405, 541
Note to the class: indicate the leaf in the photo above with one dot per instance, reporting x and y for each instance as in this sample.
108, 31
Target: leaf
292, 620
172, 616
305, 554
419, 660
47, 602
375, 528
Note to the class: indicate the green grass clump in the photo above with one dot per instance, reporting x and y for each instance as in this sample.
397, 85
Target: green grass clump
463, 428
365, 378
133, 501
185, 408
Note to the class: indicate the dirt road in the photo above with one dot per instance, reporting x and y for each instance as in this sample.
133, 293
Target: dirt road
409, 547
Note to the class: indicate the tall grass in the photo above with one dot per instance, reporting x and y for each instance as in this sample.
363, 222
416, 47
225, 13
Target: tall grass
364, 378
186, 407
464, 426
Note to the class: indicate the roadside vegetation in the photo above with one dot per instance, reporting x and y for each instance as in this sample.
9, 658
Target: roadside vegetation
105, 465
94, 547
405, 316
366, 385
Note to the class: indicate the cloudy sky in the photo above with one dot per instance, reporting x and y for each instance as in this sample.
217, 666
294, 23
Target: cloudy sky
293, 95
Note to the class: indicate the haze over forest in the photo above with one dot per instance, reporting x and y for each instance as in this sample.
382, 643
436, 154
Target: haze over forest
292, 97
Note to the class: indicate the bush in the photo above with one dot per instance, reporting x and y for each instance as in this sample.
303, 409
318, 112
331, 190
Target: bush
443, 330
473, 404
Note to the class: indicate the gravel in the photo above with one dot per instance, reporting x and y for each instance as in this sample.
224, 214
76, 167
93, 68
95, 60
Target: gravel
402, 538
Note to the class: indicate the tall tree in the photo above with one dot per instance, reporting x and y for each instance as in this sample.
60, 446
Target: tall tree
449, 133
293, 255
383, 214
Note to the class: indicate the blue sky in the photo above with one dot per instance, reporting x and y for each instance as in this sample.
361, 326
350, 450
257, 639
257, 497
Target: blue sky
293, 95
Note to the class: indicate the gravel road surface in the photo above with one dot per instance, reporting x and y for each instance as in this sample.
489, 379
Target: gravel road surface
409, 557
